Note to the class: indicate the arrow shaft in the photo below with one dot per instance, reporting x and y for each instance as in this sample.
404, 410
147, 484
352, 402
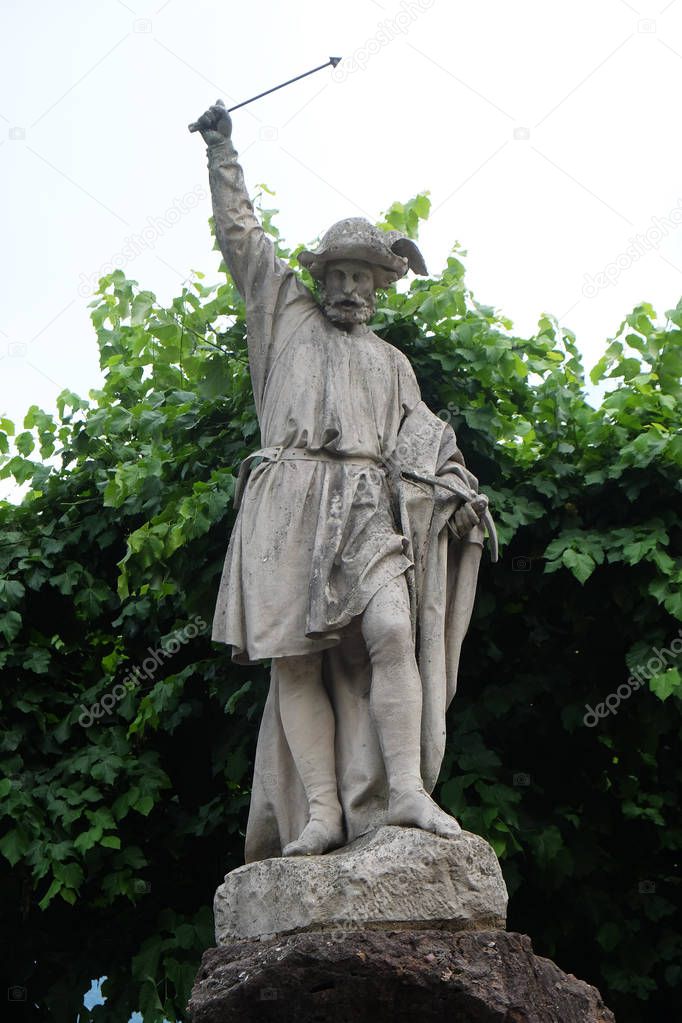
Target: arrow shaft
276, 87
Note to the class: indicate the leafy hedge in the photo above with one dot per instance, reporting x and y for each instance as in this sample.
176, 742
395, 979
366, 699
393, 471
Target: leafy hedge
126, 783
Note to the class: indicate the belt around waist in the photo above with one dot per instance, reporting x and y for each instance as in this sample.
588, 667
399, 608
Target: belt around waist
282, 454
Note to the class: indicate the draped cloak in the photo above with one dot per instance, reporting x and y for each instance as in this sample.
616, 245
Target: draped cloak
319, 533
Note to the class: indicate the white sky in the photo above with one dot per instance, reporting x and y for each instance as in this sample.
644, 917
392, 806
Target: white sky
97, 94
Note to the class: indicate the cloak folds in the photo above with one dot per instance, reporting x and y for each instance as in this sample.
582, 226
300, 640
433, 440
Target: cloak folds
442, 584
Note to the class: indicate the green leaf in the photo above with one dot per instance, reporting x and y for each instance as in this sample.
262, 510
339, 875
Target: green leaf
231, 704
14, 845
25, 443
111, 842
142, 303
70, 874
10, 625
667, 684
581, 565
88, 839
144, 805
11, 591
54, 888
38, 660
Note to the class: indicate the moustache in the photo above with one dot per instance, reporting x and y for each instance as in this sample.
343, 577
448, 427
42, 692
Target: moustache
346, 300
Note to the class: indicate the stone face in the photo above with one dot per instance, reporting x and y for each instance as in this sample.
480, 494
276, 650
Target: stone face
393, 878
350, 977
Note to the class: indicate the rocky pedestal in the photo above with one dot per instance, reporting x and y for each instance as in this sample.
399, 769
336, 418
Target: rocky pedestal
392, 878
390, 977
398, 925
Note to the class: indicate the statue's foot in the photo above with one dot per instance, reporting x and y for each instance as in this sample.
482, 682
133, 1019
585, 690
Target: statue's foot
317, 837
415, 808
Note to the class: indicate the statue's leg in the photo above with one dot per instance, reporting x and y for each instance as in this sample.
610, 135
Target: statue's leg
309, 727
395, 704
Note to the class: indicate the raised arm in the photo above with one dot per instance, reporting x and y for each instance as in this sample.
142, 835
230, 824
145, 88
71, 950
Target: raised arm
248, 252
276, 300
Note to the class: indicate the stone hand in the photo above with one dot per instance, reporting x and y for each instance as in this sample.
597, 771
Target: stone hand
469, 514
215, 125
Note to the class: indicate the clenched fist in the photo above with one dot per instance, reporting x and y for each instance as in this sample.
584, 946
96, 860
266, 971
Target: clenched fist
469, 514
215, 124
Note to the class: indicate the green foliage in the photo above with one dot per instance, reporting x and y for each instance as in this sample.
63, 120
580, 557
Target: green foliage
126, 786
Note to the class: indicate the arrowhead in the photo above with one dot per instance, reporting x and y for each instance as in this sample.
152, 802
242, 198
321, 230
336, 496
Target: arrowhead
335, 60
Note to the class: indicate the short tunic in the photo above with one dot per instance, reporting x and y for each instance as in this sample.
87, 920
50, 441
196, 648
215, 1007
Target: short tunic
314, 539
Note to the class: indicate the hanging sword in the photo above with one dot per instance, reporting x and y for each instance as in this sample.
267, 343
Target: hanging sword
478, 501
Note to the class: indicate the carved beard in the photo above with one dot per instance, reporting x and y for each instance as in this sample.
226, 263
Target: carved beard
334, 309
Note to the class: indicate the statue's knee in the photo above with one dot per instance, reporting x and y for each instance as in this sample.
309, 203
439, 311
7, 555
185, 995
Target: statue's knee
389, 636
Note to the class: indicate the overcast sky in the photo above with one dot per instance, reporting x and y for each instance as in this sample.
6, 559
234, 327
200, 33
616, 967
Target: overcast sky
547, 133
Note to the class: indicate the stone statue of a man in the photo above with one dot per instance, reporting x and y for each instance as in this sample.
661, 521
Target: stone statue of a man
357, 582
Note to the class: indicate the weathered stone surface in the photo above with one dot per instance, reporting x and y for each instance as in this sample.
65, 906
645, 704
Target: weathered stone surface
357, 482
387, 977
392, 878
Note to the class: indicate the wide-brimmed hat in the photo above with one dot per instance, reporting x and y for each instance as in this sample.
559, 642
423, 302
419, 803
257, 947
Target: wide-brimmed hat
390, 253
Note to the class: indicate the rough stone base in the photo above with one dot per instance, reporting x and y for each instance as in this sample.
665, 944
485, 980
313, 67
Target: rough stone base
390, 878
389, 977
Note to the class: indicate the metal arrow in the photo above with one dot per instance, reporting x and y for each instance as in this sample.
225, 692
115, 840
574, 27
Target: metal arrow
333, 61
